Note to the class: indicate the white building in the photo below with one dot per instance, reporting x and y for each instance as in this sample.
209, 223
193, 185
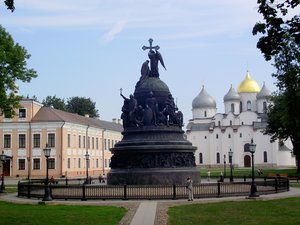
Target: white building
215, 134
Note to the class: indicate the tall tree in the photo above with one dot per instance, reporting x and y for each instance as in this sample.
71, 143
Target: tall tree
82, 106
57, 103
13, 67
280, 42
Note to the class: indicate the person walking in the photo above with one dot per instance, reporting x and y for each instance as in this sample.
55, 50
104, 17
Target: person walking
189, 186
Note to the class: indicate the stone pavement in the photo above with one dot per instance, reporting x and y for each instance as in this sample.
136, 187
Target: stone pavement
144, 212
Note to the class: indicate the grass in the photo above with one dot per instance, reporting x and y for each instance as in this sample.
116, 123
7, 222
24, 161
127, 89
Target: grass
241, 172
271, 212
26, 214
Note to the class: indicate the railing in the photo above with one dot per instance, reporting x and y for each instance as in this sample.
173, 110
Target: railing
83, 191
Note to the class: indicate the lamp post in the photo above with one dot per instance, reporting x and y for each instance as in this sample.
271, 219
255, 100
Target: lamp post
87, 158
253, 191
224, 166
47, 196
3, 158
28, 165
230, 154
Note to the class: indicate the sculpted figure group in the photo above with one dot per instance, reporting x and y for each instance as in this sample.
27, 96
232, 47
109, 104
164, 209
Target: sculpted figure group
134, 115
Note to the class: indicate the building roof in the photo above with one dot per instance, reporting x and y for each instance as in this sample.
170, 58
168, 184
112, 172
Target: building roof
231, 95
204, 100
48, 114
200, 126
248, 85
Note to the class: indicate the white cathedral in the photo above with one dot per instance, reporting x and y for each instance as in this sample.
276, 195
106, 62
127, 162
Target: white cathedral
216, 134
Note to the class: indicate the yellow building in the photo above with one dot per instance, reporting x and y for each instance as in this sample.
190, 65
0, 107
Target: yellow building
69, 136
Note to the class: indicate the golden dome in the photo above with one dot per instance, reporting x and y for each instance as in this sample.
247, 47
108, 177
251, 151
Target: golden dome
248, 85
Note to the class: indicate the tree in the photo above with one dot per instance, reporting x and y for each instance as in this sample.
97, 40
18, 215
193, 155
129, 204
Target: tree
55, 102
280, 42
82, 106
13, 67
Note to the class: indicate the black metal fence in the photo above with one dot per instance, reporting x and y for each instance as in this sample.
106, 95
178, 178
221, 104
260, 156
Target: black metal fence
76, 189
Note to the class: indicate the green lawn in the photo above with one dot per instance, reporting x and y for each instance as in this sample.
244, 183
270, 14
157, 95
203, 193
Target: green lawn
241, 172
259, 212
59, 214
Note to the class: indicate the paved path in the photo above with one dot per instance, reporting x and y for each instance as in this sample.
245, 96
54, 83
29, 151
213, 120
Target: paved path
145, 214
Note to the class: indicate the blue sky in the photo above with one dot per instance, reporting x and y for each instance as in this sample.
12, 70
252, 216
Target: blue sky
93, 48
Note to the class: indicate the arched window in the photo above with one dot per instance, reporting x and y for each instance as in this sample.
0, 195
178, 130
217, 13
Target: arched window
265, 156
265, 107
217, 136
205, 114
229, 135
200, 158
219, 123
241, 107
230, 122
218, 158
232, 107
249, 105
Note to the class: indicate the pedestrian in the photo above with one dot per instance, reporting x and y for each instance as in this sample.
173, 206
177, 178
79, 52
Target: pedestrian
189, 187
208, 175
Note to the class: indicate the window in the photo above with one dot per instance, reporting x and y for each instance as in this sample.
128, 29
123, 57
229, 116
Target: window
51, 140
97, 163
7, 141
22, 113
79, 163
93, 143
241, 107
83, 141
108, 143
217, 136
232, 107
22, 141
265, 156
241, 135
205, 114
229, 135
89, 139
36, 140
69, 140
21, 164
218, 158
105, 146
219, 123
97, 143
69, 163
200, 158
79, 141
51, 163
249, 105
36, 164
264, 107
205, 137
230, 122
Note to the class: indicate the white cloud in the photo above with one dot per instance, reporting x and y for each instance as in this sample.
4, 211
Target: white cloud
116, 29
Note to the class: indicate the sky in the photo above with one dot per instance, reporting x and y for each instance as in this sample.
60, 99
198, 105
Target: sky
93, 48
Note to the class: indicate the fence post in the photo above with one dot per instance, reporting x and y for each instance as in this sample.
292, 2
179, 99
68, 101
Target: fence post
276, 185
219, 189
83, 193
66, 181
287, 184
244, 178
125, 192
174, 191
28, 190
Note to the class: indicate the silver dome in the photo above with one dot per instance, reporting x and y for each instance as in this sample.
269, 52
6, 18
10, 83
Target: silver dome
264, 92
204, 100
231, 95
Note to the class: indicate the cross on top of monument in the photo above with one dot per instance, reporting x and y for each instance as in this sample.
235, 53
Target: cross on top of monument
150, 47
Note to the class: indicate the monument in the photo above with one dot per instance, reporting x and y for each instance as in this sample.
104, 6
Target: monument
153, 149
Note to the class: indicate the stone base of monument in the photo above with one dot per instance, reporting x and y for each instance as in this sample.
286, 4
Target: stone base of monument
153, 176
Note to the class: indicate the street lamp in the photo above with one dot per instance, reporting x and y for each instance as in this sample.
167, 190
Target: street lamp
224, 166
3, 158
230, 154
47, 196
87, 158
253, 192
